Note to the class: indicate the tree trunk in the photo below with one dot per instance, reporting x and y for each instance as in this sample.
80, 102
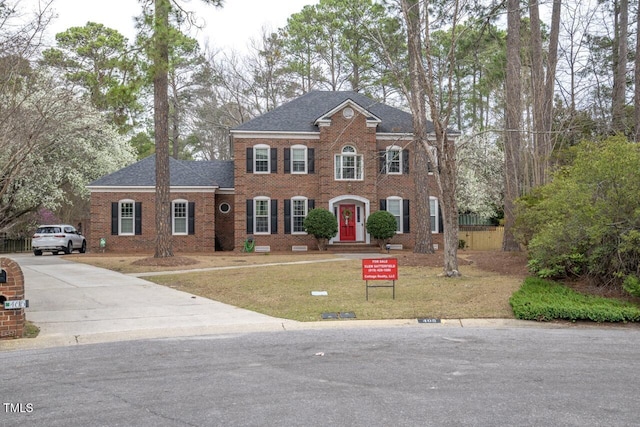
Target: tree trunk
424, 239
540, 136
620, 68
422, 82
513, 112
161, 121
637, 83
446, 172
422, 209
549, 89
448, 178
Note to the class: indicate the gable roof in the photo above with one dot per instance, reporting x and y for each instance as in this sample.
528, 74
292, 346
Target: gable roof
182, 173
303, 113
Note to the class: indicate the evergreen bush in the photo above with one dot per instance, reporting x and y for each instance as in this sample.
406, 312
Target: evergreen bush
322, 225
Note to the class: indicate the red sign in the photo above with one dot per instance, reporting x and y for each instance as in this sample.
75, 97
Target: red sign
380, 269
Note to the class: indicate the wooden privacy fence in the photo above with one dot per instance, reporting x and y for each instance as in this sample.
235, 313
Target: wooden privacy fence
8, 246
483, 238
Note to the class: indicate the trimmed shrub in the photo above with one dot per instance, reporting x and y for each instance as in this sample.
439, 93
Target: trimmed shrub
382, 226
322, 225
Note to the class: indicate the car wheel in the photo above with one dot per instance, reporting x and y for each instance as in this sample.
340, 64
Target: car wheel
37, 252
69, 248
83, 248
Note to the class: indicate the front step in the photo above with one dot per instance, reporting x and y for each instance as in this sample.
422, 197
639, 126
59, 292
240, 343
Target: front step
353, 248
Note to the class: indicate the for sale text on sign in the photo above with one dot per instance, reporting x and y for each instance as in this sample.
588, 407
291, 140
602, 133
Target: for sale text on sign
380, 269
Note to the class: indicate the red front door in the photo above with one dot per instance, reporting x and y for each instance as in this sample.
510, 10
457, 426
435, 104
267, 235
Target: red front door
347, 223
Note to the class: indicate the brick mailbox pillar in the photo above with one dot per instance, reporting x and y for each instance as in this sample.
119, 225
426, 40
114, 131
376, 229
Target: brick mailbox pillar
11, 289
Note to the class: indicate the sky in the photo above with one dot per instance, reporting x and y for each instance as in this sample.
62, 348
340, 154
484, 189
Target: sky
231, 26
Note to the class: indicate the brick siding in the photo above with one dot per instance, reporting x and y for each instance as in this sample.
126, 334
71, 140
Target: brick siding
321, 185
202, 241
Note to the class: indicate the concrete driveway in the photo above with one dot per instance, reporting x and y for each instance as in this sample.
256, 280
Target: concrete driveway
74, 303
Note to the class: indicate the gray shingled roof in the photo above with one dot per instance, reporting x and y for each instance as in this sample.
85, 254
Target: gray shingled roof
183, 173
300, 114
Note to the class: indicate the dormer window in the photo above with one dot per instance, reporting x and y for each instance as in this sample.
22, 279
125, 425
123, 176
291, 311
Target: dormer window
348, 164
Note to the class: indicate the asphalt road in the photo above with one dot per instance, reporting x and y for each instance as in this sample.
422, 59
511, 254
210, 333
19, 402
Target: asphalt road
410, 376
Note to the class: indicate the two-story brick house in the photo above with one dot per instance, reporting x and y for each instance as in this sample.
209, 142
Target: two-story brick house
341, 151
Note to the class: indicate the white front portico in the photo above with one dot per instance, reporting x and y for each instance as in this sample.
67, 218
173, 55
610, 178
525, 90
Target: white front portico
352, 212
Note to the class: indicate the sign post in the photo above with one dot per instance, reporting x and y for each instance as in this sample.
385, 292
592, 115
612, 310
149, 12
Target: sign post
380, 269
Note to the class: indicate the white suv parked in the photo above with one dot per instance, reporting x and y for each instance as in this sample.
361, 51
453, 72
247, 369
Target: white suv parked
57, 238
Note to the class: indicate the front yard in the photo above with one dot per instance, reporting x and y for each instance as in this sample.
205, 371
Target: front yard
489, 279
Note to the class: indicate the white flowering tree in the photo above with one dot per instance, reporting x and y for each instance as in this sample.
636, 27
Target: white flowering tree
51, 145
480, 175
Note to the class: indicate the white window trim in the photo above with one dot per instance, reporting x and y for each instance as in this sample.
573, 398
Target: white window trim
435, 226
255, 158
186, 218
387, 160
306, 162
133, 217
306, 212
255, 215
338, 161
224, 204
401, 213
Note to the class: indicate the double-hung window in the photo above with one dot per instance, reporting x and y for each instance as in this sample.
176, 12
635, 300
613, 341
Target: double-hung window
348, 164
261, 159
394, 160
433, 213
126, 218
262, 215
394, 207
179, 216
298, 214
298, 159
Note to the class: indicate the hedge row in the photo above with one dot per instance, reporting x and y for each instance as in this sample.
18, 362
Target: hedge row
544, 300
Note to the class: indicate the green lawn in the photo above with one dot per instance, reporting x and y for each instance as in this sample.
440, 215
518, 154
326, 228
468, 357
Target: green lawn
285, 291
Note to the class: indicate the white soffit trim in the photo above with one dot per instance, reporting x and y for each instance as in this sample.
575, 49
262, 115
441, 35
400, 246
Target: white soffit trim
399, 137
148, 189
237, 134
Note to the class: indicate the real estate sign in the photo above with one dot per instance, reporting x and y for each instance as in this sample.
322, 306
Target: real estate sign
380, 269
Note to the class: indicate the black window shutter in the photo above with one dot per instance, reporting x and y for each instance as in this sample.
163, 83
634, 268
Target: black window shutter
249, 159
274, 217
383, 205
287, 216
440, 221
382, 154
114, 218
249, 216
274, 160
311, 204
405, 216
192, 218
311, 160
287, 160
405, 162
138, 220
